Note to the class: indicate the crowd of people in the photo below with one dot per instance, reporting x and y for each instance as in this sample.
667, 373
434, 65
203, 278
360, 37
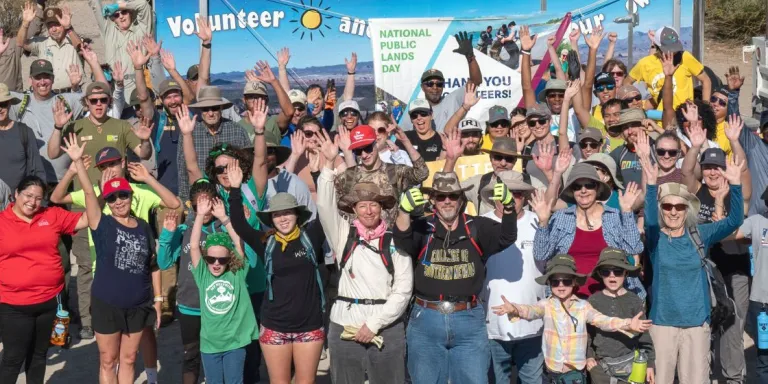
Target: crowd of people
614, 228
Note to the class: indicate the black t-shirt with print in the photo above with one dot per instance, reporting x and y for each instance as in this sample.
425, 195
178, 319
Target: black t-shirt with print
729, 256
428, 149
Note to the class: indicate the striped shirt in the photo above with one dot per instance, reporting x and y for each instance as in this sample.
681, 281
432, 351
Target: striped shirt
565, 336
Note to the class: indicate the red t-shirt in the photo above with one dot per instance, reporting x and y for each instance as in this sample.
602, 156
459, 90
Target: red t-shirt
30, 264
585, 250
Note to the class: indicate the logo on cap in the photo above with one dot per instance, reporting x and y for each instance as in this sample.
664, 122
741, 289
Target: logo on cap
115, 184
49, 12
172, 83
358, 135
41, 63
103, 153
713, 154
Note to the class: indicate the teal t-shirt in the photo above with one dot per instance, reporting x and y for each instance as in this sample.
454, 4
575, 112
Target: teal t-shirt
227, 318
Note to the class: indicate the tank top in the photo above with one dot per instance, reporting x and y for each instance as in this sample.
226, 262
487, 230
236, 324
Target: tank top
585, 249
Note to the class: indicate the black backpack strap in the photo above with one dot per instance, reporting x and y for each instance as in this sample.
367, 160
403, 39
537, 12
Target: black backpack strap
348, 247
385, 249
484, 180
24, 133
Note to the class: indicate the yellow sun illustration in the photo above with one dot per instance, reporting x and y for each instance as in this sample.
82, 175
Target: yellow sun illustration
311, 19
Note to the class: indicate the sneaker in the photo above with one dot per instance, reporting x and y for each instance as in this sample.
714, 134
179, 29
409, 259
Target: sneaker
86, 333
324, 354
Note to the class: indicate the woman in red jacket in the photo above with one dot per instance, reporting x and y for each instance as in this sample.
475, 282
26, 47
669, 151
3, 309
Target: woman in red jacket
31, 277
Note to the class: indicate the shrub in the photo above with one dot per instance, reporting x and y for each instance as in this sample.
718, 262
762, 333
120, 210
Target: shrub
10, 14
734, 20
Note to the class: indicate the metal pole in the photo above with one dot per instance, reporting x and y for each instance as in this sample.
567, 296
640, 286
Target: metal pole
676, 15
698, 30
543, 5
631, 30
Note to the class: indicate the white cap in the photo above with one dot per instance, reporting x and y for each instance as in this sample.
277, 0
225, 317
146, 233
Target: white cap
349, 104
419, 105
469, 124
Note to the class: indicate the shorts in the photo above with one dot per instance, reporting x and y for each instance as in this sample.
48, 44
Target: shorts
108, 319
270, 337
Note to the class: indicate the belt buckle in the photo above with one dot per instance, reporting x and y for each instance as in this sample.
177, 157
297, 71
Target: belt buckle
446, 307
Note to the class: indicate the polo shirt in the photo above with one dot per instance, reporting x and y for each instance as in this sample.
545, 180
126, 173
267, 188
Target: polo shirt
30, 264
113, 133
60, 55
38, 115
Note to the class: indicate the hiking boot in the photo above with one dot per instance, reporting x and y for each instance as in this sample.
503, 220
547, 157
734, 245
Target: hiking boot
86, 333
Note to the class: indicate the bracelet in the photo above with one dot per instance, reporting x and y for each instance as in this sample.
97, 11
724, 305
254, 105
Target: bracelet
351, 73
207, 45
159, 299
57, 128
258, 133
525, 52
225, 222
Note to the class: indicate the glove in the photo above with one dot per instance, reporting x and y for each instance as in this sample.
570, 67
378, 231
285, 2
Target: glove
411, 199
109, 9
574, 68
502, 194
465, 45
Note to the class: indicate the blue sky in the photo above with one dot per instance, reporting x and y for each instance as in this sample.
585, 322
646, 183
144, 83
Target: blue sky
236, 50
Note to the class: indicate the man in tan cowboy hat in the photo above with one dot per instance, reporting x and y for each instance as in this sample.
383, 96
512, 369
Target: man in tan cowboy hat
212, 130
451, 248
503, 157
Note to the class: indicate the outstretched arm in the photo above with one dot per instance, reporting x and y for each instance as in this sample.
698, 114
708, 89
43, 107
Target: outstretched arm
206, 36
349, 86
258, 119
526, 44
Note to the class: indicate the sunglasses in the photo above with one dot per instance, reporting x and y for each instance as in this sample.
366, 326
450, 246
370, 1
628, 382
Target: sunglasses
617, 73
618, 272
308, 134
122, 195
220, 170
566, 282
465, 135
633, 98
119, 13
210, 109
715, 99
590, 185
541, 121
450, 196
381, 130
501, 124
589, 144
271, 151
299, 107
677, 207
555, 95
367, 149
416, 114
349, 112
213, 260
602, 88
518, 194
508, 159
5, 104
663, 152
433, 84
99, 100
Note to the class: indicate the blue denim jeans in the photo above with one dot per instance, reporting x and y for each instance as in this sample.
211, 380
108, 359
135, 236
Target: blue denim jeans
525, 354
761, 367
224, 367
443, 347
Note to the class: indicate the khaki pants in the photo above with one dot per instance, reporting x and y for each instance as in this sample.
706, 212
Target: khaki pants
686, 349
168, 276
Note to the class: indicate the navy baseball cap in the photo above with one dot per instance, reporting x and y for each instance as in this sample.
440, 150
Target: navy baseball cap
108, 155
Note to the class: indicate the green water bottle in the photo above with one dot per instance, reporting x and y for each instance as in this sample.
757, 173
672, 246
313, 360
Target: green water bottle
639, 368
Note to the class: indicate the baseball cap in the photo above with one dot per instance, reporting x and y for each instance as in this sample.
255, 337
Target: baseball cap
193, 72
255, 88
297, 96
713, 156
361, 136
419, 105
604, 78
432, 74
552, 85
108, 155
168, 85
538, 109
625, 90
668, 40
497, 113
97, 88
50, 15
468, 125
349, 104
590, 133
40, 67
115, 185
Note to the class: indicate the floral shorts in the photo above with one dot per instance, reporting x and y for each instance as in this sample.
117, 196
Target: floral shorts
270, 337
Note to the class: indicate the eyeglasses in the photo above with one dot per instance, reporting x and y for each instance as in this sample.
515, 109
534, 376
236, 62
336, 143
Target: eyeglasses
307, 133
211, 109
451, 196
299, 107
618, 272
555, 95
617, 73
603, 87
122, 195
501, 124
541, 121
663, 152
220, 170
714, 99
367, 149
416, 114
465, 135
433, 84
591, 144
119, 13
677, 207
99, 100
213, 260
507, 158
565, 282
349, 112
590, 185
633, 98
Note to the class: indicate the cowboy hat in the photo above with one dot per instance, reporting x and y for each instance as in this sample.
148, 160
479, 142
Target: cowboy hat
613, 257
564, 265
608, 163
5, 95
584, 171
281, 202
512, 179
366, 191
447, 182
505, 146
210, 96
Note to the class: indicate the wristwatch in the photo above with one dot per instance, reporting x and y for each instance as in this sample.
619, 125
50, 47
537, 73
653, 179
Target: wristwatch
159, 299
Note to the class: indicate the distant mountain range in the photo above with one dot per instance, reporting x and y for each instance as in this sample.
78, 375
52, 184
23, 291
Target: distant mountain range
363, 68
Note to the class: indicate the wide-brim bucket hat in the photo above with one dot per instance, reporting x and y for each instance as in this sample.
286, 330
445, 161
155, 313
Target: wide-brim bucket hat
366, 192
613, 257
584, 171
562, 264
280, 202
606, 161
210, 96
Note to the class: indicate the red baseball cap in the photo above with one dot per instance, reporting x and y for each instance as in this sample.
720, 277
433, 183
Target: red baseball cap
115, 185
361, 136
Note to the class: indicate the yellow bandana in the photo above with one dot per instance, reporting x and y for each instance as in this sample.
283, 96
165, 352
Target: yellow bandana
284, 240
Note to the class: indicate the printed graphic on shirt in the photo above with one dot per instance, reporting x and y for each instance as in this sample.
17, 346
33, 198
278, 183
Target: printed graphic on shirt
764, 238
130, 252
464, 270
220, 297
629, 164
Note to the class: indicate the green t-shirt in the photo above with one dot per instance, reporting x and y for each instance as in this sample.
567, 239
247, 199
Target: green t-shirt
113, 133
271, 126
226, 314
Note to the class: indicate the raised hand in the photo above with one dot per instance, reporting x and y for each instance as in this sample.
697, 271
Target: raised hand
219, 209
314, 158
234, 174
75, 75
28, 14
543, 160
452, 144
470, 96
352, 63
574, 87
551, 41
733, 128
107, 175
502, 194
573, 37
138, 172
89, 55
696, 134
170, 222
650, 170
594, 38
166, 57
70, 146
144, 129
152, 46
639, 325
518, 138
204, 205
138, 58
262, 72
734, 79
574, 67
506, 308
526, 40
541, 206
258, 117
668, 63
298, 146
283, 56
118, 73
65, 20
204, 32
411, 199
643, 145
613, 37
60, 115
733, 169
185, 121
465, 44
563, 161
628, 197
652, 36
86, 163
328, 147
344, 140
691, 111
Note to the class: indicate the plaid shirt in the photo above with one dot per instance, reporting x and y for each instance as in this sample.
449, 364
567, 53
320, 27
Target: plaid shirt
565, 336
228, 132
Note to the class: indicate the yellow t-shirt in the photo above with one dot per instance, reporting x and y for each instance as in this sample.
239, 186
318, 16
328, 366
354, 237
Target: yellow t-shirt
649, 70
597, 113
488, 144
721, 139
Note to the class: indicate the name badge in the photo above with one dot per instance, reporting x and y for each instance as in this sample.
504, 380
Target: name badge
169, 128
86, 138
112, 137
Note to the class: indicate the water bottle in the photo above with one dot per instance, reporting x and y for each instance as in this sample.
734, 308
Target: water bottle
60, 328
639, 368
762, 330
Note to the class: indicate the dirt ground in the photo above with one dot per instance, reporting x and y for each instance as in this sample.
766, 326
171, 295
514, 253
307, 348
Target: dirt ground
721, 56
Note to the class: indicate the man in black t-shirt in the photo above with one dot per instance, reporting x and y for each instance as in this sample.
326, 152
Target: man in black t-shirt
424, 137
